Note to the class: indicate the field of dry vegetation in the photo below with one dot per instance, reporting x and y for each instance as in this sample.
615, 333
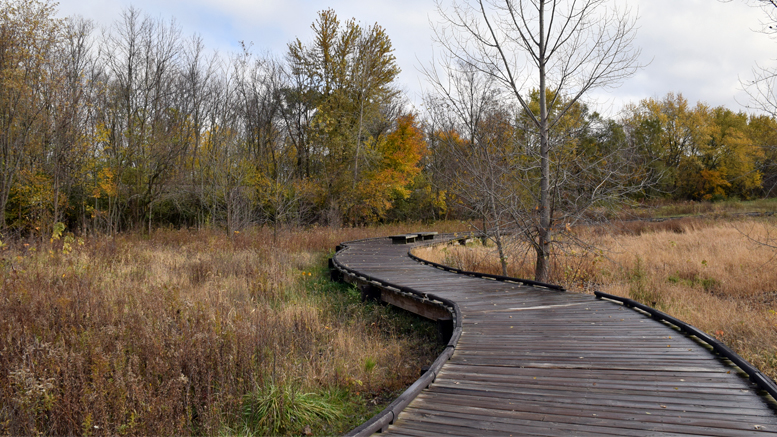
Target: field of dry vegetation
706, 272
195, 332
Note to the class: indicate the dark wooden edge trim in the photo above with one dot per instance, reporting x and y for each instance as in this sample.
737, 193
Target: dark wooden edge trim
382, 420
448, 238
764, 382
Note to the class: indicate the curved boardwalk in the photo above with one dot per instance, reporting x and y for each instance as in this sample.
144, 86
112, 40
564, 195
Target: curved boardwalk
533, 361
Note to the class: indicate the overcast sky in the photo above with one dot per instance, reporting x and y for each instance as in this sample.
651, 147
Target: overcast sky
700, 48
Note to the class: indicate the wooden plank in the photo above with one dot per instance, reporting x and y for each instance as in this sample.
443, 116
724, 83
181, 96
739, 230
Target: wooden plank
626, 375
681, 396
528, 422
570, 400
606, 384
586, 408
488, 425
452, 425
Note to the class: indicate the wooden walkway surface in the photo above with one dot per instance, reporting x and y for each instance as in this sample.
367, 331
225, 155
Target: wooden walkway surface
533, 361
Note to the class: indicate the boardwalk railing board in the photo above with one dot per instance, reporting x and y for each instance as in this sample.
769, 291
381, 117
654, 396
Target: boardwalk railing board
764, 382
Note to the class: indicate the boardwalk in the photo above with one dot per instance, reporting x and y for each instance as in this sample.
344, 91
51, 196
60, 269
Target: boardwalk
533, 361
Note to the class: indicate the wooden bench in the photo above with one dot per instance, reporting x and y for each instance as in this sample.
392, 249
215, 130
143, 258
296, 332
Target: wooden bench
403, 239
423, 236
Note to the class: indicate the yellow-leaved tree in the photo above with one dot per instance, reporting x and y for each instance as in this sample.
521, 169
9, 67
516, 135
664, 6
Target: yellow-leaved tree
398, 155
729, 160
696, 152
669, 133
28, 36
340, 106
763, 132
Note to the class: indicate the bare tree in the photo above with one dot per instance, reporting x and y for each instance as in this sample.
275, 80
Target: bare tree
194, 100
762, 88
762, 91
69, 112
142, 57
465, 116
562, 49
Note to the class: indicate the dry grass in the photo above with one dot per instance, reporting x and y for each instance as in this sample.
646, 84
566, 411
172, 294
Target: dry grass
166, 335
704, 272
673, 208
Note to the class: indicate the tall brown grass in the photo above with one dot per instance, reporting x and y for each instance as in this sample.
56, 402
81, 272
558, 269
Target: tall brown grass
167, 334
711, 274
673, 208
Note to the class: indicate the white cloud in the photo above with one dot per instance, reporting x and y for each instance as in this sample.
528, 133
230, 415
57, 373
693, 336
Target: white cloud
698, 47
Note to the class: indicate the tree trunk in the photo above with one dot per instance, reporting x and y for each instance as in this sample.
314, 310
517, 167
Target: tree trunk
56, 199
500, 249
3, 204
542, 268
497, 234
358, 144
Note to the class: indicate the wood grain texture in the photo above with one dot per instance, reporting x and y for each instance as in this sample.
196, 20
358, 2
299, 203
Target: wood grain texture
533, 361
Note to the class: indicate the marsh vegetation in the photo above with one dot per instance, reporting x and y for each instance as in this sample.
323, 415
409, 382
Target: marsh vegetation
186, 332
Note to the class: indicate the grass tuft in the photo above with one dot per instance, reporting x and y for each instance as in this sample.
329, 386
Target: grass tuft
281, 408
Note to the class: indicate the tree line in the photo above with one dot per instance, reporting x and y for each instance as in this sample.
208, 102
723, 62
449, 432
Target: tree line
136, 125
